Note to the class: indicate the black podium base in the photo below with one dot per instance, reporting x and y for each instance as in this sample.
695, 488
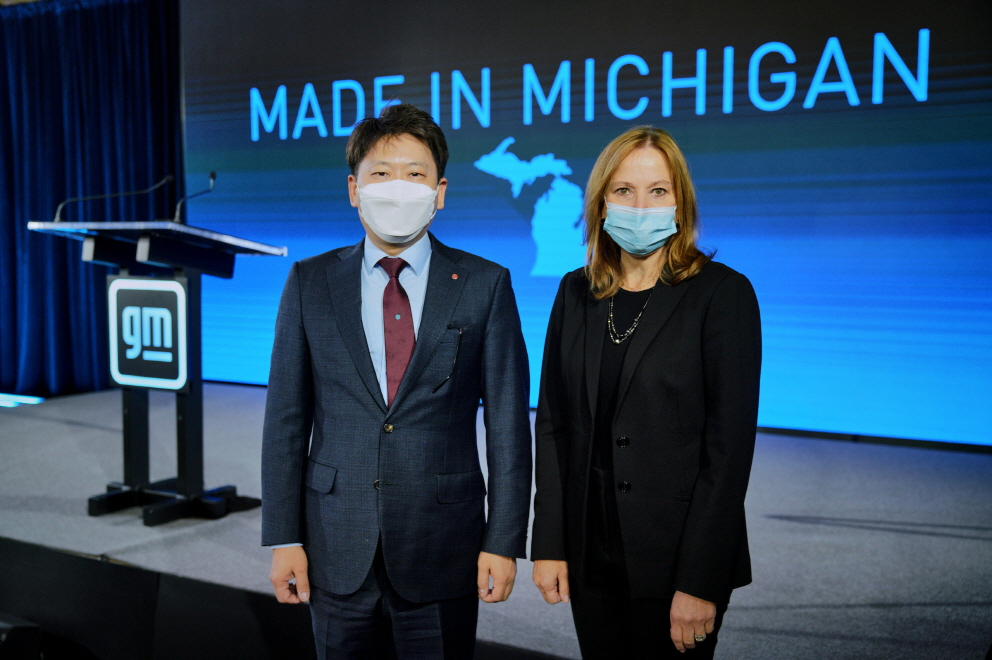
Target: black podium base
160, 503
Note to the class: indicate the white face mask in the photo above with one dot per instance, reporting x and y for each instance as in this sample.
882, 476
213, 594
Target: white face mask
396, 211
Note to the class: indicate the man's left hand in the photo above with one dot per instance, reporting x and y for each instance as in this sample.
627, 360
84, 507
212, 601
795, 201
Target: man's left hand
502, 570
690, 616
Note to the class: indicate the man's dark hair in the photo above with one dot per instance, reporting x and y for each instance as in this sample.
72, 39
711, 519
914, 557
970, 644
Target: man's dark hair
393, 121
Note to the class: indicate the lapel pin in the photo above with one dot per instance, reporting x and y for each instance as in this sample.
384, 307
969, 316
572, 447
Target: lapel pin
454, 276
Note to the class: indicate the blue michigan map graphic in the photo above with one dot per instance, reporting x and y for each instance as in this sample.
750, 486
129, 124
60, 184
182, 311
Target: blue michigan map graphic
556, 225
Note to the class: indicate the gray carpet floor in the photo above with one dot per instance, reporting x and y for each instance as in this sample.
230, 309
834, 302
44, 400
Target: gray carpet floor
859, 551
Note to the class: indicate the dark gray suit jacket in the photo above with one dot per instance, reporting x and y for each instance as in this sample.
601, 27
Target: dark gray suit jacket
409, 474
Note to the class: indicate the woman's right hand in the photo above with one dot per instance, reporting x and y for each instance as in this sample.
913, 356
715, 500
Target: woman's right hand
551, 577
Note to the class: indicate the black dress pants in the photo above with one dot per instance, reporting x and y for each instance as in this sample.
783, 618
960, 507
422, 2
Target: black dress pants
376, 623
608, 622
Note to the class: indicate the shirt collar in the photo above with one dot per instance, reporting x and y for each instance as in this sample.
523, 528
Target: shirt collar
416, 256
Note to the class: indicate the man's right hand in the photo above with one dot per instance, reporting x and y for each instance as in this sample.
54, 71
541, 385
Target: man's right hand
288, 564
551, 577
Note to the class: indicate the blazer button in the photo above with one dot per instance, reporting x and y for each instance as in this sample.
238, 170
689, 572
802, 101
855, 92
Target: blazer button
388, 428
623, 441
623, 486
375, 484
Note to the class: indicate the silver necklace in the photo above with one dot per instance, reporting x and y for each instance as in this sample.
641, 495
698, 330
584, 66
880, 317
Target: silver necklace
615, 336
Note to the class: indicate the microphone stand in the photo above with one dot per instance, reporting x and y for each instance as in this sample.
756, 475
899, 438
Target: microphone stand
58, 211
179, 205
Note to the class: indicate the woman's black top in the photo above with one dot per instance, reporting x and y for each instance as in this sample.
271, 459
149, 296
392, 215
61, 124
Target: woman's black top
604, 547
627, 305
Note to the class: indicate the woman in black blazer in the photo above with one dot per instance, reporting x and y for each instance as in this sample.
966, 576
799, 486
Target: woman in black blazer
646, 418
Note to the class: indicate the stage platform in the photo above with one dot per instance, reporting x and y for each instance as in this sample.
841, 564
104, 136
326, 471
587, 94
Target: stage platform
859, 550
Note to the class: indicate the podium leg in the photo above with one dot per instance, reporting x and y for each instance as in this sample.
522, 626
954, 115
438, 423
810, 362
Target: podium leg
189, 404
135, 408
189, 448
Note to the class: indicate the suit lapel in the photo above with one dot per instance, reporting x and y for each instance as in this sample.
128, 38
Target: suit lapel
443, 292
344, 284
596, 313
663, 302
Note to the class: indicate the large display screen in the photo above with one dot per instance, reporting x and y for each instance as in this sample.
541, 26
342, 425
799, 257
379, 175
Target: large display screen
842, 153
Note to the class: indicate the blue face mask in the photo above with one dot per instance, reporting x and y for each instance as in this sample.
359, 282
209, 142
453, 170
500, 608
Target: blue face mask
639, 231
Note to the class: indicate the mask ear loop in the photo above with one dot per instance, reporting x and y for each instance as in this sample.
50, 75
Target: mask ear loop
360, 214
434, 212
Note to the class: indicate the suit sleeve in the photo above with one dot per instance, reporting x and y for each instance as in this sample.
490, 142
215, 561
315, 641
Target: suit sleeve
288, 422
715, 527
506, 412
549, 532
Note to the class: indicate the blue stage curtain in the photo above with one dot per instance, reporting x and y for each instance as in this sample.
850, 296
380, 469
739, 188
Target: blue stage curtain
89, 104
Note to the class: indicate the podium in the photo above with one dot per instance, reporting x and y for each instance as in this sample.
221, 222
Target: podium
154, 315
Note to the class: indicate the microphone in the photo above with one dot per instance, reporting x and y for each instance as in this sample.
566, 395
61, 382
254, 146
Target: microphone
58, 211
179, 205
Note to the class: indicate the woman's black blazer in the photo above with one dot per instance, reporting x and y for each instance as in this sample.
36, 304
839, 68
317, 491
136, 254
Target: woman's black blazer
686, 415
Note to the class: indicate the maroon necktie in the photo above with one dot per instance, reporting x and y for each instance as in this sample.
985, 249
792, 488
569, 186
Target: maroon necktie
397, 321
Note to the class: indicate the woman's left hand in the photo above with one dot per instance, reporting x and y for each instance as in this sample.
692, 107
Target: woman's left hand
690, 616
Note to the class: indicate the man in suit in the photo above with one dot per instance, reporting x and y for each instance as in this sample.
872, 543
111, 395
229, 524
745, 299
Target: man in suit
373, 499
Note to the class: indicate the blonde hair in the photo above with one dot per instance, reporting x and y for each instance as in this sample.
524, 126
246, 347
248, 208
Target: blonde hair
684, 259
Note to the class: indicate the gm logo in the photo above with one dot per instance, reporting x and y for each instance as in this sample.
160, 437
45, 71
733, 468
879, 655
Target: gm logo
148, 333
146, 327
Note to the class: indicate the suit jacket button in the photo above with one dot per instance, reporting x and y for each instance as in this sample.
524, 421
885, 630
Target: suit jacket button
623, 486
375, 484
623, 441
388, 428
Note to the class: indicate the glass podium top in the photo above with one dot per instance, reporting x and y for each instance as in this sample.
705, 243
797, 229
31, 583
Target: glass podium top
132, 231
